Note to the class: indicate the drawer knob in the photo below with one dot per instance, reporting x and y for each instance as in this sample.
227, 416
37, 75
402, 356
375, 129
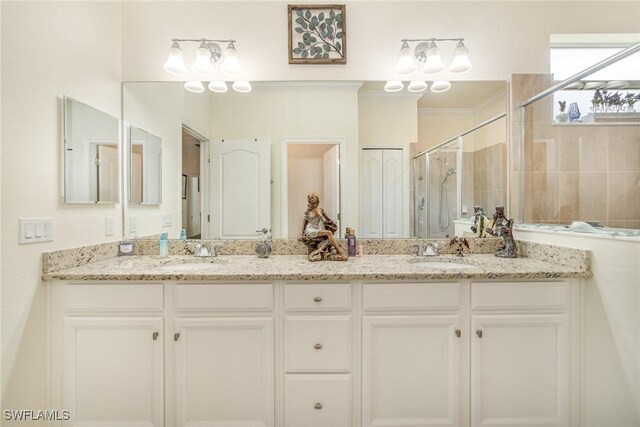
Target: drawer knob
479, 333
318, 299
318, 346
318, 406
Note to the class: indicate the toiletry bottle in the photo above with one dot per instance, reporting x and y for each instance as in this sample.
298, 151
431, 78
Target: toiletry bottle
360, 250
351, 242
125, 248
164, 245
183, 234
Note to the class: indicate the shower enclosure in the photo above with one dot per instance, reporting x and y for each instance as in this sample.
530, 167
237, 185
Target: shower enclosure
454, 176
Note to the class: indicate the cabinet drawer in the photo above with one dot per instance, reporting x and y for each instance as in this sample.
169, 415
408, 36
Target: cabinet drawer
317, 343
324, 297
411, 296
237, 297
113, 298
519, 295
317, 400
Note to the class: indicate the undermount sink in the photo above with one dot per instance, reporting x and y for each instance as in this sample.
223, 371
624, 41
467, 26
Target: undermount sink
440, 264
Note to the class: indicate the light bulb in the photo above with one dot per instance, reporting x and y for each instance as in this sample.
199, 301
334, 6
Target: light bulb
393, 86
460, 63
218, 87
175, 62
241, 86
417, 86
194, 86
231, 63
406, 64
202, 64
433, 63
440, 86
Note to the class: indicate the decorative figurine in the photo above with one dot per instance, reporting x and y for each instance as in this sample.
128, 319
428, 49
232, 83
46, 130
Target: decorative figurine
574, 112
480, 222
563, 117
461, 243
508, 249
317, 233
499, 220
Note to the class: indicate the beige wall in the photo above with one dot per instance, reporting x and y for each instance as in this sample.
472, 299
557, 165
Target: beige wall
387, 119
56, 49
503, 37
293, 115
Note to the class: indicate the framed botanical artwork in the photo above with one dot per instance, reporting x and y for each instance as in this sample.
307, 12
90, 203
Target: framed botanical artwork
317, 34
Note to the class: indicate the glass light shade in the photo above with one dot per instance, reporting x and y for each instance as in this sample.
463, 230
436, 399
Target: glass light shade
202, 64
194, 86
433, 63
175, 62
231, 63
406, 64
241, 86
417, 86
393, 86
218, 87
440, 86
460, 63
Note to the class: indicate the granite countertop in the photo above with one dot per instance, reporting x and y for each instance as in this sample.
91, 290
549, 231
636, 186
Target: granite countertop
297, 267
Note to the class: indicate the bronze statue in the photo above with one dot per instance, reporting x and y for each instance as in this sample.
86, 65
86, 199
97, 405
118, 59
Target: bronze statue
499, 220
317, 233
502, 227
480, 222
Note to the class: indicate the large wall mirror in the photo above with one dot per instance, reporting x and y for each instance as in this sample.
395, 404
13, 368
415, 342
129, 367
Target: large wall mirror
234, 164
91, 154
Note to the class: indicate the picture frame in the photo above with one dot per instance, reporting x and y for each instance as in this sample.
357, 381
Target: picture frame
184, 186
317, 34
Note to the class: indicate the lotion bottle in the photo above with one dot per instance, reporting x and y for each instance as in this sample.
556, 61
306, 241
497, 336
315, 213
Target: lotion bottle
164, 245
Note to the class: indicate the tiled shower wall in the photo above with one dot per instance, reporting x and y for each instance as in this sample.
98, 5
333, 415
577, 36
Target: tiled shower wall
577, 172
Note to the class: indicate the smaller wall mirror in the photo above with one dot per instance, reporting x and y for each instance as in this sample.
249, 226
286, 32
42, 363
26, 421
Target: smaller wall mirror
145, 167
91, 165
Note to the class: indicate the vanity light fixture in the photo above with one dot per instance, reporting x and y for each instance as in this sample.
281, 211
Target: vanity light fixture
427, 54
241, 86
440, 86
209, 52
218, 87
417, 86
393, 86
194, 86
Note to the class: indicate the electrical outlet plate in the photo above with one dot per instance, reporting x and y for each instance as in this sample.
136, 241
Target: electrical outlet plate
166, 220
108, 226
35, 230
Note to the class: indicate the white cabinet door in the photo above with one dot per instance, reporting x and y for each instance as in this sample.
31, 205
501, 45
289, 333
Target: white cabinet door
371, 194
240, 177
392, 194
411, 370
224, 372
519, 370
113, 371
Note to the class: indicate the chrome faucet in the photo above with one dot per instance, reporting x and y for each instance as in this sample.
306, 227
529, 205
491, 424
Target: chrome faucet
430, 249
203, 251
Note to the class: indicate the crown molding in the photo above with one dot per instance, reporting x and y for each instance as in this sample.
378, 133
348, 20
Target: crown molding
445, 111
307, 86
381, 93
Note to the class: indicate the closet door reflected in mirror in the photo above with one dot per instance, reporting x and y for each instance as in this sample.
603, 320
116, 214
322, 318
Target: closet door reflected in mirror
91, 141
145, 167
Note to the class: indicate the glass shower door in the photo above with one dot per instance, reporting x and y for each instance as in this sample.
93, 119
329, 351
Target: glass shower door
443, 190
420, 218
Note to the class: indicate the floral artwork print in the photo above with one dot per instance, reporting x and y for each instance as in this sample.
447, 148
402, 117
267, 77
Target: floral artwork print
317, 34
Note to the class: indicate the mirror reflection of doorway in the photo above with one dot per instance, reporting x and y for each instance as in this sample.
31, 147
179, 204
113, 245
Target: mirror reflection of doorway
312, 168
105, 162
193, 145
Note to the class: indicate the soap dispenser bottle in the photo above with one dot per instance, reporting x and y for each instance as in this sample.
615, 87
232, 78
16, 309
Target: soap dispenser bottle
164, 245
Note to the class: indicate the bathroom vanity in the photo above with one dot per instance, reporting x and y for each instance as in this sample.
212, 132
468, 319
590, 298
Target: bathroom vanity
380, 340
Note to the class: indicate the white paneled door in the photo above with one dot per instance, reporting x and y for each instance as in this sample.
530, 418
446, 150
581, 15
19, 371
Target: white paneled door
381, 198
411, 370
224, 372
241, 188
113, 371
520, 373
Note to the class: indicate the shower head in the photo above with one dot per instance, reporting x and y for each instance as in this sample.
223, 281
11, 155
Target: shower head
451, 171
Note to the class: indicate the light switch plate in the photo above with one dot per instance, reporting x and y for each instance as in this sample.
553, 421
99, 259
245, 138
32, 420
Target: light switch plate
108, 226
133, 225
35, 230
166, 220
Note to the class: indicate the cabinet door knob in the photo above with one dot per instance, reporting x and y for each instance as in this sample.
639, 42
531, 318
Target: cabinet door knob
176, 336
479, 333
458, 333
318, 346
155, 336
318, 405
318, 299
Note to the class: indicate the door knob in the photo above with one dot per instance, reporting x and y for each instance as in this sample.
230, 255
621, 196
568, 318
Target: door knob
479, 333
155, 336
